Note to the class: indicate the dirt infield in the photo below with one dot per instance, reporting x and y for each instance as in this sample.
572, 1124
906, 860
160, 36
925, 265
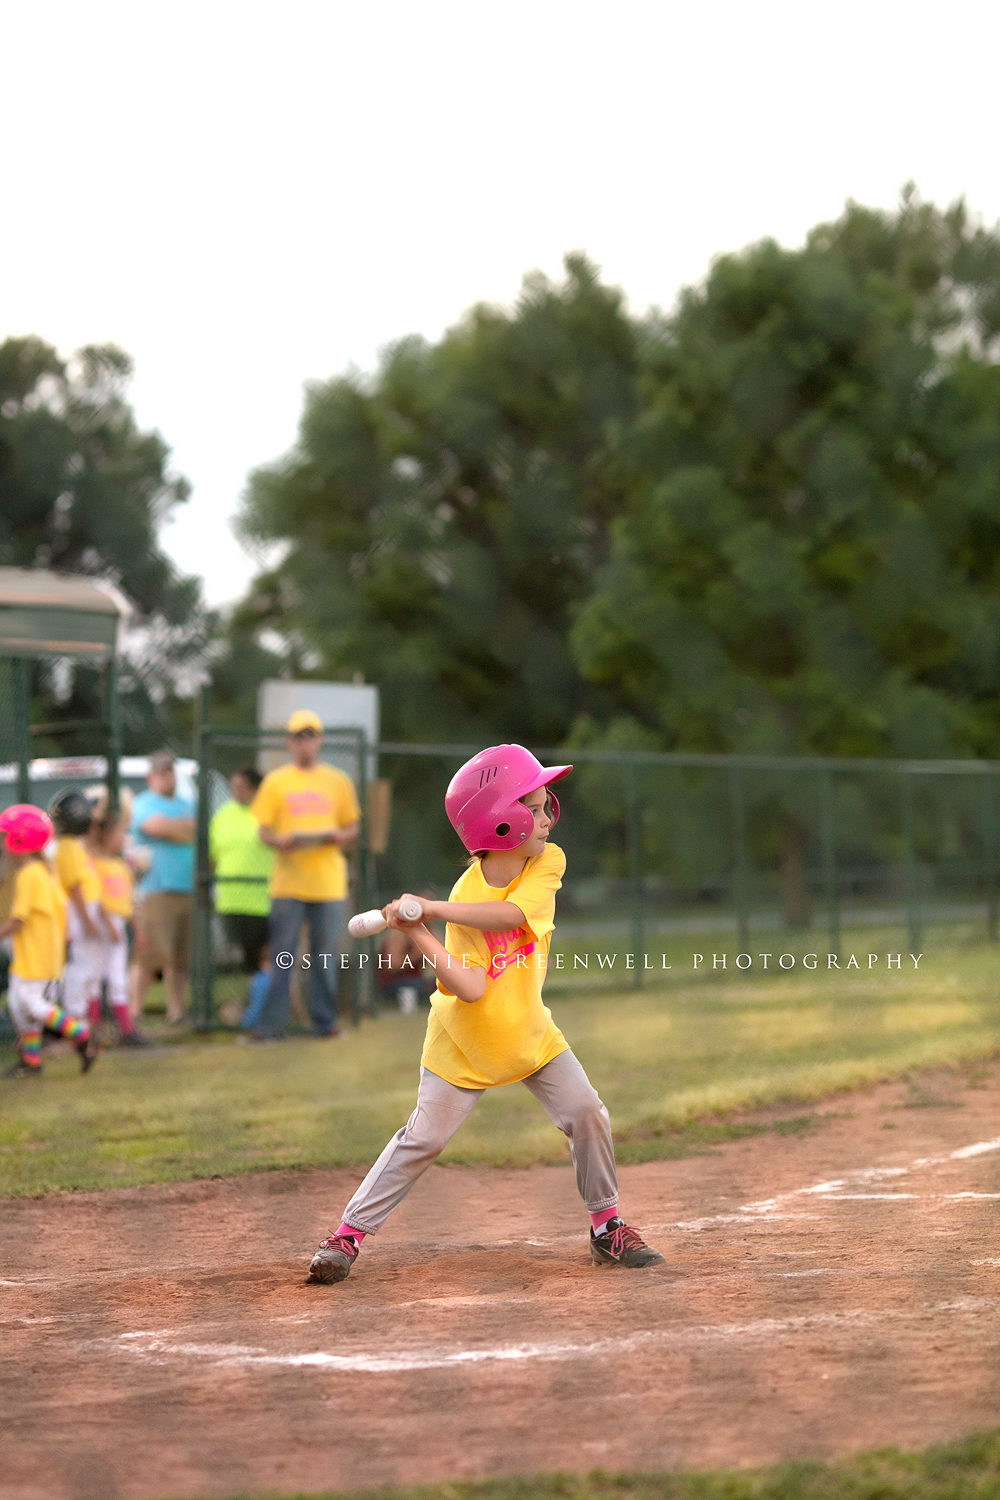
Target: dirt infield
821, 1294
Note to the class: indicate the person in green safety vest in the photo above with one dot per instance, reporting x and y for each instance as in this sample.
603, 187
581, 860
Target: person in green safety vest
235, 850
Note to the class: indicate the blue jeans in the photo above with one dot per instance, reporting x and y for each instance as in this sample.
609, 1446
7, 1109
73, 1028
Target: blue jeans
256, 999
324, 919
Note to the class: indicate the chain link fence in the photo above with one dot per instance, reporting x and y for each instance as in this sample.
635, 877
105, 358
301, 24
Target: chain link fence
680, 861
674, 861
664, 844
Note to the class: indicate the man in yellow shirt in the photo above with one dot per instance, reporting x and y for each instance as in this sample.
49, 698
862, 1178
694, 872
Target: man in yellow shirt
307, 812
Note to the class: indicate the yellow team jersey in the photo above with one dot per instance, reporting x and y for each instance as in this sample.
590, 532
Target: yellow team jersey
508, 1034
75, 867
116, 886
40, 907
294, 801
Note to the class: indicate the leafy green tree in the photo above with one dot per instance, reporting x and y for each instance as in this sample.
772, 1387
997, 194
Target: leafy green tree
442, 521
766, 523
83, 490
809, 560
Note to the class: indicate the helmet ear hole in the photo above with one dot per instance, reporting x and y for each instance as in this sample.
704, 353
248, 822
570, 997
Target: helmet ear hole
502, 830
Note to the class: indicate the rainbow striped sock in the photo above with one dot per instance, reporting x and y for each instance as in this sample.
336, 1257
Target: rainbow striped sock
30, 1047
57, 1020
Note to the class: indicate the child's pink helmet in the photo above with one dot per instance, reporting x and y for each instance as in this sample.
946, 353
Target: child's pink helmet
28, 829
483, 798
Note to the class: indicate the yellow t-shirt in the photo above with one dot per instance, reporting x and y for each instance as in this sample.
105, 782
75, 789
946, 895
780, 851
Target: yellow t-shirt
75, 867
508, 1034
40, 906
116, 886
294, 801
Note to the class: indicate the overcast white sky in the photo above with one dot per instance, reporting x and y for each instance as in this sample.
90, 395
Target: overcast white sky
248, 196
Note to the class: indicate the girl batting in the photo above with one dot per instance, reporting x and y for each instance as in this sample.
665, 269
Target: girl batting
488, 1025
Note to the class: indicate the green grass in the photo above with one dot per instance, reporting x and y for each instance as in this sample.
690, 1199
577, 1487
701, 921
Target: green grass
673, 1064
965, 1470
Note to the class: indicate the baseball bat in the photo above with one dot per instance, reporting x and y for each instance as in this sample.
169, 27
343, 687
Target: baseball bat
367, 923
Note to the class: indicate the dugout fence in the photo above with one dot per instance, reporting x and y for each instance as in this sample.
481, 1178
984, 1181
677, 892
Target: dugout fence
49, 617
672, 843
671, 854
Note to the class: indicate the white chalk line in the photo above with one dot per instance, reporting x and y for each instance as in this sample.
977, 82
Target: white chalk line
833, 1190
977, 1150
158, 1346
31, 1322
904, 1197
813, 1271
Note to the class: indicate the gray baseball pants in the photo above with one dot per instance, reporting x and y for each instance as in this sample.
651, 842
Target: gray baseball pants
563, 1090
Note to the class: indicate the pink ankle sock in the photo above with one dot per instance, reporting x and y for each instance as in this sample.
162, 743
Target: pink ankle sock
601, 1217
123, 1016
356, 1234
94, 1012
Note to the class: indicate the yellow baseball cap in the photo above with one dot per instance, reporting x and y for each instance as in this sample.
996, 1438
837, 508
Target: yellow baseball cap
304, 718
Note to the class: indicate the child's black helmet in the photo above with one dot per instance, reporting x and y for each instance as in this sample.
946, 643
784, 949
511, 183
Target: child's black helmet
71, 813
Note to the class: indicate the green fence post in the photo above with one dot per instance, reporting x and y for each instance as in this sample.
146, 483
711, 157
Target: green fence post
989, 842
635, 872
741, 881
913, 922
202, 996
22, 731
114, 734
829, 835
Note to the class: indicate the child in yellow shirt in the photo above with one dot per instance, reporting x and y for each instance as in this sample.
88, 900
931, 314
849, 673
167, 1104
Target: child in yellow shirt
37, 924
72, 813
104, 843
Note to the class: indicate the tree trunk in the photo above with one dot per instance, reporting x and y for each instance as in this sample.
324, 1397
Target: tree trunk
798, 897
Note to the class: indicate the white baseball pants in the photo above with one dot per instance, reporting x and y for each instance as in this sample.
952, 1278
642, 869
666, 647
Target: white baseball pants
30, 1001
82, 974
114, 962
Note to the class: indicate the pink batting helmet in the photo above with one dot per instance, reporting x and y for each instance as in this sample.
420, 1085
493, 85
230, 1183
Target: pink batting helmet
28, 829
483, 798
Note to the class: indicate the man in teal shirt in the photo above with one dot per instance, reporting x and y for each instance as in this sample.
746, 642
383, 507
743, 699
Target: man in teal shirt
242, 866
164, 824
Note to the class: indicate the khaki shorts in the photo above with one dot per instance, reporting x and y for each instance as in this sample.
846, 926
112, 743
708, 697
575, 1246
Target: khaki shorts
163, 930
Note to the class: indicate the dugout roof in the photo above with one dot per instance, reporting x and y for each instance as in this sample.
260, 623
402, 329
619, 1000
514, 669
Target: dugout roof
59, 614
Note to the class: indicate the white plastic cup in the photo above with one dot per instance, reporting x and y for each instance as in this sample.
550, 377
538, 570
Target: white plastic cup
408, 994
